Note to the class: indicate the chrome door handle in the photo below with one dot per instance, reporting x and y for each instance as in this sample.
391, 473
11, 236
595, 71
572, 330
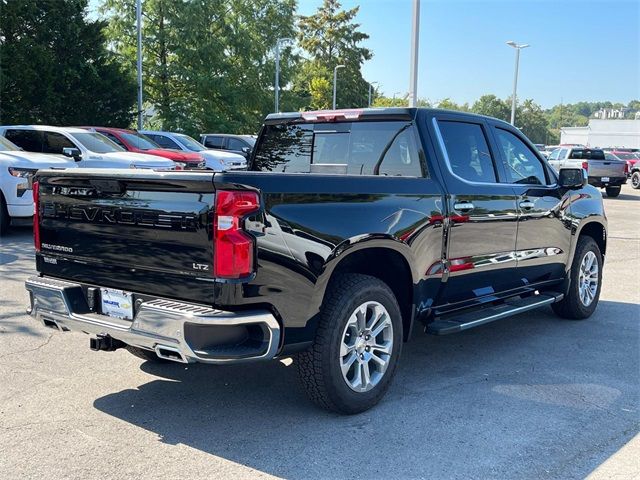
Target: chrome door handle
463, 206
527, 204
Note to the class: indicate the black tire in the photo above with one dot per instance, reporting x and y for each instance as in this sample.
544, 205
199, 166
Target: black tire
4, 216
319, 367
571, 307
635, 180
148, 355
613, 192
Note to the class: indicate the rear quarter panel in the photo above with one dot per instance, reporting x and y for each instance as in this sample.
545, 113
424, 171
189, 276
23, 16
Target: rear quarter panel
310, 223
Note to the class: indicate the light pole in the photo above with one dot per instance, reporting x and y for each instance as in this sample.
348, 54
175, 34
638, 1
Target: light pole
513, 44
139, 28
277, 85
370, 85
335, 81
413, 70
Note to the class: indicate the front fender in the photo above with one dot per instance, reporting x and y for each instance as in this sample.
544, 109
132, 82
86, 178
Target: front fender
586, 207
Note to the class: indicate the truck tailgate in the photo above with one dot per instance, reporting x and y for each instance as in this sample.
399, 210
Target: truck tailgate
142, 231
606, 168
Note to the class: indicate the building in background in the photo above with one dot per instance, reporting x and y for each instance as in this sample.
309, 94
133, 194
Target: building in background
604, 133
611, 113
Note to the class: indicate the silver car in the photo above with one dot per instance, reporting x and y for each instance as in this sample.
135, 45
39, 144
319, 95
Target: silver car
215, 159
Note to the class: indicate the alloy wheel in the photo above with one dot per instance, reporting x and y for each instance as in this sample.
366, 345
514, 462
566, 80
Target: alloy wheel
367, 344
588, 278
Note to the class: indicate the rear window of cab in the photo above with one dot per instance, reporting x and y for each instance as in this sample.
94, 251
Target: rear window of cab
348, 148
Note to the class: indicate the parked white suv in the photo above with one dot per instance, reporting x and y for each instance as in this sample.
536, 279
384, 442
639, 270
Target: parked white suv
16, 169
88, 149
214, 159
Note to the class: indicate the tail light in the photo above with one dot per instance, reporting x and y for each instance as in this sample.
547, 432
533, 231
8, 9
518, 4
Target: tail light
233, 248
585, 166
626, 168
36, 215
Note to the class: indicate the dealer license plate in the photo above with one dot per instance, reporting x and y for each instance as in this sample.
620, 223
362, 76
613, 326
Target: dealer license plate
117, 303
604, 179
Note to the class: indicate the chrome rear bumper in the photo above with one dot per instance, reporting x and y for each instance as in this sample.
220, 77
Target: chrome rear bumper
182, 332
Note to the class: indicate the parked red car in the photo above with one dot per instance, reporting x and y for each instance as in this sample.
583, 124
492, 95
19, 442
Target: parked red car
136, 142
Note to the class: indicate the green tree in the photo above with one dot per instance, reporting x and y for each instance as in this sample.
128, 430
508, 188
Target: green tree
56, 68
330, 37
492, 106
207, 65
531, 120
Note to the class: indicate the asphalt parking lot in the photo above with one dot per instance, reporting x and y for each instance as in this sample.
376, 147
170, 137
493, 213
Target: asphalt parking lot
528, 397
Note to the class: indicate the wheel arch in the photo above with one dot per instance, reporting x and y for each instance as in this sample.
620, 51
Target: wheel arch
596, 230
387, 259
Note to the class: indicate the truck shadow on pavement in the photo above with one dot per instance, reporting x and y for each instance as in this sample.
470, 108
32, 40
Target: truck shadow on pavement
531, 394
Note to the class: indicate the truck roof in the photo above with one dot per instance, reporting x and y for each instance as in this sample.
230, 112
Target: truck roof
355, 114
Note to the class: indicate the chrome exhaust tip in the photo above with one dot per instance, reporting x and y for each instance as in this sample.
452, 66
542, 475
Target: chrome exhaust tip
170, 353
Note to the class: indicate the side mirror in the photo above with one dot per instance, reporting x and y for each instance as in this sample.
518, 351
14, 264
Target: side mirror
74, 153
246, 149
573, 178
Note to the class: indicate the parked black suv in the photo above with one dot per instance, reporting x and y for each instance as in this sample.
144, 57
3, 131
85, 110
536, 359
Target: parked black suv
353, 228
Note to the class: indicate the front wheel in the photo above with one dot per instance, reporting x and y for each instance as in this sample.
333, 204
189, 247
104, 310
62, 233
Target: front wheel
613, 191
358, 342
635, 180
585, 282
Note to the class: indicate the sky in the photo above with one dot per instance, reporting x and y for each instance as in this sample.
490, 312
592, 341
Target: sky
581, 50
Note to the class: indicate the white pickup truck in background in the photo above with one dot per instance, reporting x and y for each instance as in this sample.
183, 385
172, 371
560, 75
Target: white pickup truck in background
603, 173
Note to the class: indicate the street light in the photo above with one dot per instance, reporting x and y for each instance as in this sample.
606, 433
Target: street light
513, 44
415, 41
277, 86
370, 85
335, 81
139, 62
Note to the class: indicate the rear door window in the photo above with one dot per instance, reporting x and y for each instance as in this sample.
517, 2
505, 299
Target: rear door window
28, 140
358, 148
468, 151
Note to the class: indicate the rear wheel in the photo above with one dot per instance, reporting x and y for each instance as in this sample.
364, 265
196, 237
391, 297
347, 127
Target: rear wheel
148, 355
358, 342
4, 216
581, 299
613, 191
635, 180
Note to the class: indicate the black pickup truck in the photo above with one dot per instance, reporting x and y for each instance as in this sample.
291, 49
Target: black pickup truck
352, 228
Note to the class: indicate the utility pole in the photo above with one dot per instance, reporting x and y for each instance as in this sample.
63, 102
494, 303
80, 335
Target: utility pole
370, 91
139, 27
277, 83
513, 44
413, 70
335, 83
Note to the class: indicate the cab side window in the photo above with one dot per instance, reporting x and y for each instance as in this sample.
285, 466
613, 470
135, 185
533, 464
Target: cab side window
468, 151
55, 142
27, 140
235, 144
520, 163
164, 142
214, 141
114, 139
